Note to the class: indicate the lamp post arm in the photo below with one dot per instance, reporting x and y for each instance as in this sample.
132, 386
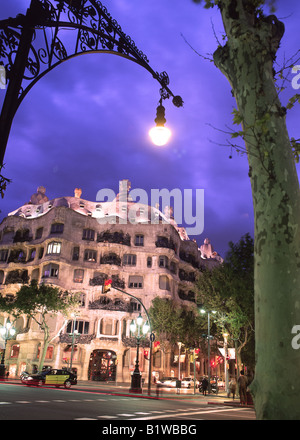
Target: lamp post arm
94, 31
139, 301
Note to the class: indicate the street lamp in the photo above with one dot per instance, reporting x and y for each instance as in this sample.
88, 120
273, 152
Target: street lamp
208, 342
7, 331
29, 50
136, 377
160, 134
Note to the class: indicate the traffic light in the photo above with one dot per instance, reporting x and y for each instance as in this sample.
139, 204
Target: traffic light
156, 346
106, 286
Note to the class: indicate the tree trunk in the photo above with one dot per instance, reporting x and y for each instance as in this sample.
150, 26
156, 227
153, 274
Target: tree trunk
45, 347
247, 61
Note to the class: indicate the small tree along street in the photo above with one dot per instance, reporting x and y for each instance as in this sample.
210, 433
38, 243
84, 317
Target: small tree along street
247, 60
229, 290
40, 303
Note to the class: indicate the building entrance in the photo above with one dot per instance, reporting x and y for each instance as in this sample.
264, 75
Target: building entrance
103, 365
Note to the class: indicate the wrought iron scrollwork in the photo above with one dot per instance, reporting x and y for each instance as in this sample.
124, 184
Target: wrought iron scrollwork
94, 30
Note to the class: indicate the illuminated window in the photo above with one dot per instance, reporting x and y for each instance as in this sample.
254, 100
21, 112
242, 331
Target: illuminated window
54, 247
49, 352
90, 255
15, 349
50, 271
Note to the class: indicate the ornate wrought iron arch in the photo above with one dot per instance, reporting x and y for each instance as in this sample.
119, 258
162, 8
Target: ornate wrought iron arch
31, 46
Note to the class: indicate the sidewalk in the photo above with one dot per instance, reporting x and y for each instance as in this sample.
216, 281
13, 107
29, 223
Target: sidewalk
165, 393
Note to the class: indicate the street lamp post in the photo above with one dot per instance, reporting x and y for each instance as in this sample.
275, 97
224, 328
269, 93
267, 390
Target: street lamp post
6, 332
208, 343
152, 336
179, 354
73, 334
136, 378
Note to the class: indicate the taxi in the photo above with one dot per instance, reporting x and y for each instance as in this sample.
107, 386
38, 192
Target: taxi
51, 377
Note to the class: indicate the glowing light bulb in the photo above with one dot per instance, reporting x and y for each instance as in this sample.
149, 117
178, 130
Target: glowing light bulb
160, 135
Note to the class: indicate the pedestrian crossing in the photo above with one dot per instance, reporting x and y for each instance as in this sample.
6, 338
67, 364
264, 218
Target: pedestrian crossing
165, 413
119, 415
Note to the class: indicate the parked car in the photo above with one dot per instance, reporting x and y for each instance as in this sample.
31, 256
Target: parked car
23, 376
51, 377
188, 382
167, 382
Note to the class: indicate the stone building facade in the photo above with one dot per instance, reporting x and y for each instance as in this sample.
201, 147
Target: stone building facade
76, 244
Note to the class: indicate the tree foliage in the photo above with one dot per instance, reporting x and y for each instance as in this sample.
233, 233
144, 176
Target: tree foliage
40, 302
175, 324
229, 290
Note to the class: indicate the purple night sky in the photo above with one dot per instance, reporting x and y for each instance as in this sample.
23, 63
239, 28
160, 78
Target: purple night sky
85, 124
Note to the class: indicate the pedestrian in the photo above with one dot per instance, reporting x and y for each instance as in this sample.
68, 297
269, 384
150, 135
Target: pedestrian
232, 387
204, 384
242, 381
157, 390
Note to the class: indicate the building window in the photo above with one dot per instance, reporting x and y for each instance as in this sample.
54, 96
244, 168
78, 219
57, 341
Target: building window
82, 299
81, 327
49, 352
163, 261
57, 228
54, 247
164, 282
75, 255
3, 254
17, 256
157, 359
90, 255
129, 260
135, 306
149, 262
109, 327
78, 275
32, 254
41, 253
39, 233
15, 349
88, 234
135, 282
139, 240
50, 271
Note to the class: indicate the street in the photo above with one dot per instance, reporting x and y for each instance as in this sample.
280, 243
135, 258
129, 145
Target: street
19, 402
